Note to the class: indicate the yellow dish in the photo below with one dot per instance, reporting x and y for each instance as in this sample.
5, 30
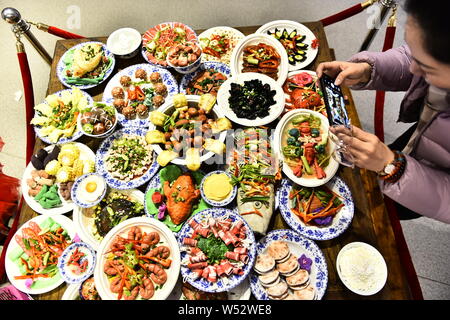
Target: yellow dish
217, 187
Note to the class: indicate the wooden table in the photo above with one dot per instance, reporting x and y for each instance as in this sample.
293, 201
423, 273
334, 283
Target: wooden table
370, 224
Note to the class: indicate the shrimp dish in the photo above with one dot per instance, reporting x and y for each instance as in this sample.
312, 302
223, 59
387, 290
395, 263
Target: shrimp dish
136, 264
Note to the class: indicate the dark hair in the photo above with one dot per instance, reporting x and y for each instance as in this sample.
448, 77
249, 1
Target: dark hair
433, 18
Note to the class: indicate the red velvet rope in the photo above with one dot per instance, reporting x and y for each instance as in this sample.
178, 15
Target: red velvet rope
347, 13
380, 95
29, 102
63, 34
29, 107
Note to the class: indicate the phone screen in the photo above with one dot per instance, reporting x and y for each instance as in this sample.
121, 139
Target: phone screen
334, 102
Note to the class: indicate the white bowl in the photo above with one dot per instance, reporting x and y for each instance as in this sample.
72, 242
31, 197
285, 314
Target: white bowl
253, 39
124, 42
224, 94
333, 165
147, 225
189, 68
103, 135
301, 29
379, 267
168, 108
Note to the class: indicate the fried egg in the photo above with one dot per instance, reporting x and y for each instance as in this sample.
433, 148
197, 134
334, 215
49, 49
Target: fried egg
91, 188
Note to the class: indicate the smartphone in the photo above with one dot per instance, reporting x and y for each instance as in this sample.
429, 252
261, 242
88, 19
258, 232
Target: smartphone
334, 102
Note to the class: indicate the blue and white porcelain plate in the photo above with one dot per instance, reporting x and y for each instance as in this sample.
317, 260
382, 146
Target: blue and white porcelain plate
77, 133
218, 66
66, 270
116, 183
224, 202
83, 203
298, 246
166, 77
221, 284
340, 221
62, 66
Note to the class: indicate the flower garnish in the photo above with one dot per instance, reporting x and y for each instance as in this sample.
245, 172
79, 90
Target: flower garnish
305, 263
162, 211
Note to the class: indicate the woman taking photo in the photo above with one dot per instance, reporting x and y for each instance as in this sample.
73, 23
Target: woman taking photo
415, 170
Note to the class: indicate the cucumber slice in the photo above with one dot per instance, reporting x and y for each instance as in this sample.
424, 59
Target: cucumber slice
291, 60
292, 34
299, 58
285, 34
278, 34
302, 46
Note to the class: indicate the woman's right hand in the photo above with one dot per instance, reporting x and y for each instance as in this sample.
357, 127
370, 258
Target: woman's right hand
346, 73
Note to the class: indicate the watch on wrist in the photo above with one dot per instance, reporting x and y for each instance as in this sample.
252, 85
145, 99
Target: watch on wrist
388, 169
393, 171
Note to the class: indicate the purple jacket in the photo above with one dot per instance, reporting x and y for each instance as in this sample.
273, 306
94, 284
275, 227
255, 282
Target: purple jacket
425, 184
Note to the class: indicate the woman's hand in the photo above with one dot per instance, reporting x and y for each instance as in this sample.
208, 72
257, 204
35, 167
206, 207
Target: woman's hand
346, 73
367, 150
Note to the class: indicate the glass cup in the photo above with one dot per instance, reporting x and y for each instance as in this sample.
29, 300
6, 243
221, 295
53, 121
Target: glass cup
340, 152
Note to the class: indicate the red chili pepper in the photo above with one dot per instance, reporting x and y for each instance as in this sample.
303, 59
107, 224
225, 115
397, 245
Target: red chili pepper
131, 94
315, 44
140, 95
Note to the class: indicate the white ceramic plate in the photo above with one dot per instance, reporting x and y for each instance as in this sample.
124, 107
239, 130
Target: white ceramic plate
333, 165
381, 269
225, 201
253, 39
222, 283
224, 94
147, 225
67, 272
290, 26
81, 202
101, 165
61, 65
294, 73
298, 245
166, 77
217, 66
13, 270
84, 219
234, 36
77, 133
341, 221
192, 100
85, 154
72, 292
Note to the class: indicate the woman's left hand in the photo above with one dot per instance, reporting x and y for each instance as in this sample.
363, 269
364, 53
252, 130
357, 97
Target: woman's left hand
367, 150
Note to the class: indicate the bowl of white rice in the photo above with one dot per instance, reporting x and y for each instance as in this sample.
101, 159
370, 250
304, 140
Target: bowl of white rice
361, 268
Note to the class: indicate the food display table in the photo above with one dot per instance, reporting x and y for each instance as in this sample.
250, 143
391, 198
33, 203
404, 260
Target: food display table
370, 224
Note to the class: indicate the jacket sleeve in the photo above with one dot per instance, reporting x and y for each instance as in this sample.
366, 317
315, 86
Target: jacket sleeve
422, 189
390, 69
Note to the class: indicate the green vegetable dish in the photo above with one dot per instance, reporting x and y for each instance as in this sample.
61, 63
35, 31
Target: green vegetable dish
86, 65
304, 147
129, 157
